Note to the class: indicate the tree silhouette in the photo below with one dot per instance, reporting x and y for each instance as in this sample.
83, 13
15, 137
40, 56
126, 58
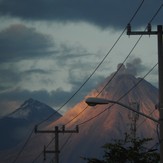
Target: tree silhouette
127, 150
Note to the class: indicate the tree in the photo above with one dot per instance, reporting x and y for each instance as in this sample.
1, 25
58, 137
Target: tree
129, 150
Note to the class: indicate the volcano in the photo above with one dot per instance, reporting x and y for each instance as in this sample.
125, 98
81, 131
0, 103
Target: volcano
102, 123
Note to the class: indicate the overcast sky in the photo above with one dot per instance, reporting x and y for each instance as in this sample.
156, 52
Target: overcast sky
49, 48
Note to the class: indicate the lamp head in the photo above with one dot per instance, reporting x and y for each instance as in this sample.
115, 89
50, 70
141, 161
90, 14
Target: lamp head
96, 101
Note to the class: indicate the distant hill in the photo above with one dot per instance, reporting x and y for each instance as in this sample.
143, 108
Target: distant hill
17, 125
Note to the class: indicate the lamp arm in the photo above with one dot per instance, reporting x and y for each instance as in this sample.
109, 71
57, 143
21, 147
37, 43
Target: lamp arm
128, 107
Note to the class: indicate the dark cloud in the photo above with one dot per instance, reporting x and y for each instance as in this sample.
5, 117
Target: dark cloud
8, 78
20, 42
103, 13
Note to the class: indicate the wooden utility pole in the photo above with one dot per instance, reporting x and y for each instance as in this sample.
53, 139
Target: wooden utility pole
56, 132
159, 34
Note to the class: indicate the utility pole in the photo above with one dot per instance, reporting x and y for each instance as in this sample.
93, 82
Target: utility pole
56, 132
159, 34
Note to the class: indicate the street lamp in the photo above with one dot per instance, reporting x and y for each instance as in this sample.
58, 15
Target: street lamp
100, 101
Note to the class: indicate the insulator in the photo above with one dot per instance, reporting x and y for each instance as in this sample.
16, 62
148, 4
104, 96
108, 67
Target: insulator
128, 29
149, 28
63, 128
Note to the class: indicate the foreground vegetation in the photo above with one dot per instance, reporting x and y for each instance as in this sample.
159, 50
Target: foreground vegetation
127, 150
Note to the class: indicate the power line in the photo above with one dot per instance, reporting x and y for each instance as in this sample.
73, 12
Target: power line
111, 77
117, 72
83, 83
66, 141
134, 15
107, 83
95, 71
121, 96
43, 151
123, 61
120, 67
113, 104
146, 118
26, 142
82, 123
153, 17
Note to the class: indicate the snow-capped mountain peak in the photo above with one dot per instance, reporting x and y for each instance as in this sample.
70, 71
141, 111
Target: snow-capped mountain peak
33, 104
32, 109
22, 120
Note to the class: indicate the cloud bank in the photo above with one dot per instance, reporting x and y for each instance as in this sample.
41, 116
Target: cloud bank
102, 13
19, 42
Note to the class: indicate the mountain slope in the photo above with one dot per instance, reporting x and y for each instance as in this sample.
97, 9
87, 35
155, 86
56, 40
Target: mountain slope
17, 124
110, 123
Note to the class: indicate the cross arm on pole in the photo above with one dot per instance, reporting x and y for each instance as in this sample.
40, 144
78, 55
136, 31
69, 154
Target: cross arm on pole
56, 132
147, 32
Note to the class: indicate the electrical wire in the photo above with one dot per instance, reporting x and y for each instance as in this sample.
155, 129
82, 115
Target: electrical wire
106, 85
119, 69
103, 59
96, 69
146, 118
66, 142
156, 128
115, 74
133, 87
83, 83
37, 156
26, 142
121, 96
43, 151
110, 105
122, 62
111, 77
104, 88
82, 123
153, 17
